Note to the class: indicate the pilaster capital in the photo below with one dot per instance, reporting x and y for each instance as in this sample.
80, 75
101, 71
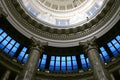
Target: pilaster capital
37, 44
88, 45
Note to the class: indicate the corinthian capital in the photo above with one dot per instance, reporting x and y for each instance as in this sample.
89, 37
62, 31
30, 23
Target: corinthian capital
38, 44
90, 44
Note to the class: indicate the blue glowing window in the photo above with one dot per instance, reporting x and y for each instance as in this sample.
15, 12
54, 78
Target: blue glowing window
73, 57
22, 53
63, 59
52, 57
17, 45
57, 64
118, 38
4, 34
68, 58
75, 67
105, 54
57, 68
74, 63
69, 68
39, 62
116, 44
57, 58
52, 63
14, 49
25, 58
43, 61
1, 30
63, 63
63, 66
62, 23
69, 63
51, 68
12, 52
3, 44
1, 38
88, 63
32, 11
102, 58
12, 42
8, 38
44, 56
7, 48
83, 62
93, 10
112, 48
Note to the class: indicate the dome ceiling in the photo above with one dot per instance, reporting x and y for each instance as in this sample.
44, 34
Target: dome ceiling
61, 4
62, 13
62, 27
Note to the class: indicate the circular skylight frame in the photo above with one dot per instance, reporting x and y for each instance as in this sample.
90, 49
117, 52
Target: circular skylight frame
72, 18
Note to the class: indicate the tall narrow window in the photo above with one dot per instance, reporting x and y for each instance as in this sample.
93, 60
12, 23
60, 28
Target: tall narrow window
116, 44
88, 63
74, 61
4, 42
118, 38
63, 63
101, 56
52, 63
112, 48
14, 49
2, 36
69, 63
9, 46
83, 61
25, 58
1, 30
43, 61
57, 64
105, 54
22, 53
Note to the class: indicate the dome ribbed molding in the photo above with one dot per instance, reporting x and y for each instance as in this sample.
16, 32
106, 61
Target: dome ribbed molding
62, 34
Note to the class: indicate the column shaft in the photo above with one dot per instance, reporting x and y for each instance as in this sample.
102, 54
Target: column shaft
6, 75
119, 71
100, 73
112, 76
98, 68
29, 69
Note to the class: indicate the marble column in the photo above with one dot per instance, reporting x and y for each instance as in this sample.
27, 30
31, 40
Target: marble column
100, 73
6, 75
119, 71
30, 67
112, 76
